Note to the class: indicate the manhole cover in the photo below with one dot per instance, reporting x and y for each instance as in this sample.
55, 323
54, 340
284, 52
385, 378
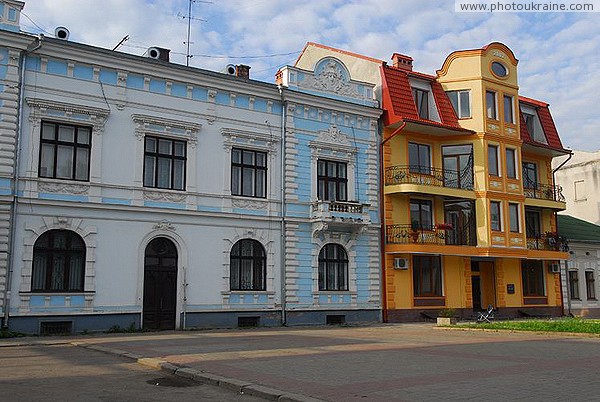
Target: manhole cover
172, 382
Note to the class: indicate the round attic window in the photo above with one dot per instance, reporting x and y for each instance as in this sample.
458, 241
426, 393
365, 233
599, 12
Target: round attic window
499, 69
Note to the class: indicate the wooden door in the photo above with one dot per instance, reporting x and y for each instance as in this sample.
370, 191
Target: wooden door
160, 285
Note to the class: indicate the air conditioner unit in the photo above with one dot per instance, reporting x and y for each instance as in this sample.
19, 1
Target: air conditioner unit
554, 268
400, 263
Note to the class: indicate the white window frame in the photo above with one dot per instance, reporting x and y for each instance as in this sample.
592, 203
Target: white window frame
519, 226
460, 104
498, 159
426, 86
516, 162
501, 217
576, 195
512, 108
495, 104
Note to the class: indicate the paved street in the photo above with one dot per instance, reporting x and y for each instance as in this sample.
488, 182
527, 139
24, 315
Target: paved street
387, 362
69, 373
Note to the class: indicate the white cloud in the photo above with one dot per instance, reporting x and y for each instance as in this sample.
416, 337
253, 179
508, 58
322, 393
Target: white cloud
558, 53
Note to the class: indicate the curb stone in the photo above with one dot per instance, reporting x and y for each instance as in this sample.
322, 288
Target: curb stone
234, 384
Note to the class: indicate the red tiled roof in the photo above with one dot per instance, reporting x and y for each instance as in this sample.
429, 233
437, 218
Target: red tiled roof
547, 125
399, 105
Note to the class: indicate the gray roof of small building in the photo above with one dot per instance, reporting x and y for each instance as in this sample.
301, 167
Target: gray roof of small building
575, 229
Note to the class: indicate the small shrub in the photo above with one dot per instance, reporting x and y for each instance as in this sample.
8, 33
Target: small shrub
5, 333
447, 313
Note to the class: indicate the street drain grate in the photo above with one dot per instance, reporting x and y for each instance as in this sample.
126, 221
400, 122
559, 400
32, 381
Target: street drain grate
172, 382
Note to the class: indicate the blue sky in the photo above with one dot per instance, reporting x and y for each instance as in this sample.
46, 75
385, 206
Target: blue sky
559, 53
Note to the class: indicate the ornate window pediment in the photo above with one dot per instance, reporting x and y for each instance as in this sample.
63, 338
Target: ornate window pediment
334, 140
159, 126
67, 112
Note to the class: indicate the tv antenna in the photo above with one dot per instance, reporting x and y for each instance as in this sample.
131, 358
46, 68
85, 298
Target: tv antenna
189, 18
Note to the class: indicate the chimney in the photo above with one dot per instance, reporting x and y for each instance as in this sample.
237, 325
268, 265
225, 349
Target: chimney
242, 70
402, 61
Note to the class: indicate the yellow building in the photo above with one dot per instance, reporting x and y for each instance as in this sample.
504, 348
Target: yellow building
468, 191
470, 201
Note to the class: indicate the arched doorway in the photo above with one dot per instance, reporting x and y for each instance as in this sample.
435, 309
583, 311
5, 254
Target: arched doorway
160, 284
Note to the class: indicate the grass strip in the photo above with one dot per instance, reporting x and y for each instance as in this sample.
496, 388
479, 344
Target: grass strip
574, 325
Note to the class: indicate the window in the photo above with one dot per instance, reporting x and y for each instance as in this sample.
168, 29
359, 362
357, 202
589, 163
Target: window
247, 262
574, 285
332, 181
164, 163
421, 214
493, 160
427, 276
533, 278
513, 215
530, 175
65, 151
419, 158
511, 163
508, 109
58, 262
533, 224
421, 98
529, 123
490, 104
499, 69
580, 193
248, 173
458, 166
333, 268
590, 285
461, 103
495, 216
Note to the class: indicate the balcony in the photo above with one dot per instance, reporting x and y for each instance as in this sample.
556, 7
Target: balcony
340, 215
548, 241
544, 192
440, 234
430, 180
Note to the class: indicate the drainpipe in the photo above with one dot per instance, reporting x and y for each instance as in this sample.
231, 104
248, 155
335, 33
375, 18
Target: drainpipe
283, 208
566, 269
384, 315
33, 46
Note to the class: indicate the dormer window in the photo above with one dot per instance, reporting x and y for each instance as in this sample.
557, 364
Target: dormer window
421, 98
532, 122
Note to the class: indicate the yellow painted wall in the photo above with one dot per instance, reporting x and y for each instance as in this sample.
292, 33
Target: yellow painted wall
512, 274
454, 281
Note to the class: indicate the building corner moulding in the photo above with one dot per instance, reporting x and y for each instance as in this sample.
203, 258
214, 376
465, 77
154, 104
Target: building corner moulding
163, 127
67, 112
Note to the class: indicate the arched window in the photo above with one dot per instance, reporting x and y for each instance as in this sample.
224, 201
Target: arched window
333, 268
58, 262
248, 263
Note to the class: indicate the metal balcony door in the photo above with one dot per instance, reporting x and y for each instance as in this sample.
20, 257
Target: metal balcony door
160, 285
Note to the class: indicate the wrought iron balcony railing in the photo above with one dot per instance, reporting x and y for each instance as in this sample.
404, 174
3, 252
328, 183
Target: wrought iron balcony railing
547, 241
543, 192
429, 176
440, 234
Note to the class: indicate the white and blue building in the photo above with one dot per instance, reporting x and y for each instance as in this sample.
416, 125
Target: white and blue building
139, 193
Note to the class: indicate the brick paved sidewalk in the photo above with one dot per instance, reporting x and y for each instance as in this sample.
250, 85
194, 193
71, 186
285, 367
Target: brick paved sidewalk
387, 362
